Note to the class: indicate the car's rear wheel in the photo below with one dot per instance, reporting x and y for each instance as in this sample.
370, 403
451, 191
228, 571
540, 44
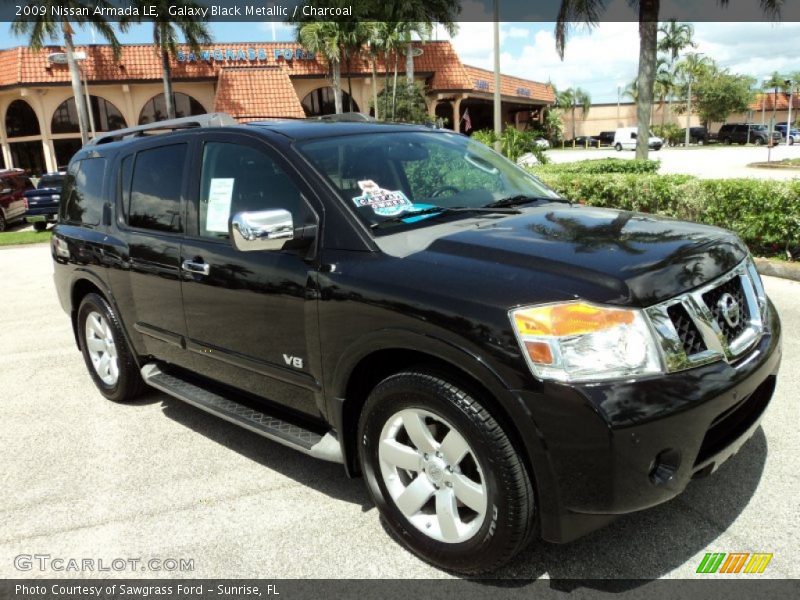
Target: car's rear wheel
618, 147
447, 480
726, 141
2, 221
701, 142
40, 225
106, 351
758, 141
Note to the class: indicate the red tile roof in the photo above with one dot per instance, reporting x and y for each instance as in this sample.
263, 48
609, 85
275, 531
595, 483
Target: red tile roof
257, 93
482, 80
782, 102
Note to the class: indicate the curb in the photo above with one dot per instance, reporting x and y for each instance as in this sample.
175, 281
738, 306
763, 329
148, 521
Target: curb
778, 269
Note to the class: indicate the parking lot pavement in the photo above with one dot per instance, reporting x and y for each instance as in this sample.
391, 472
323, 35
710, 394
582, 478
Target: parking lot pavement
715, 161
86, 478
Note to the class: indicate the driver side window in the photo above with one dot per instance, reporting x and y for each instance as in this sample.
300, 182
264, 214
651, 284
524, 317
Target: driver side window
237, 178
446, 170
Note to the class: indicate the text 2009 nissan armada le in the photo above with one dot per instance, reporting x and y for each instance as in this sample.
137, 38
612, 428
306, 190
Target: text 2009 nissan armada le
497, 363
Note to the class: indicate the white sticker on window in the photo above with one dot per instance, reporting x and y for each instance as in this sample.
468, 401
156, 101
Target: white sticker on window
219, 204
384, 203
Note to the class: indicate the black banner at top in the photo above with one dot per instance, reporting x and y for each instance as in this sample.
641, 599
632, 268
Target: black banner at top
394, 10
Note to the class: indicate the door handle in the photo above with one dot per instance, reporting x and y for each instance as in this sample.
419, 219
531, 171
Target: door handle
197, 268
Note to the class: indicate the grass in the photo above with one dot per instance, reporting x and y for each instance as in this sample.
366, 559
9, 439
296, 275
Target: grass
12, 238
786, 163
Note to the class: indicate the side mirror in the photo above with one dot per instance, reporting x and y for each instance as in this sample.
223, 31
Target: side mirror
261, 230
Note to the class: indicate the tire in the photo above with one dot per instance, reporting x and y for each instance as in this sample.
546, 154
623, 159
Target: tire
758, 141
726, 141
3, 223
39, 225
701, 142
618, 147
498, 518
119, 380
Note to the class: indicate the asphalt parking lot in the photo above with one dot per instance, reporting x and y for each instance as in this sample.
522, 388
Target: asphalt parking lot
714, 161
85, 478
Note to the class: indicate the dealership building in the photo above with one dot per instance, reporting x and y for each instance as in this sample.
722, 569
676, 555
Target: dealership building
250, 81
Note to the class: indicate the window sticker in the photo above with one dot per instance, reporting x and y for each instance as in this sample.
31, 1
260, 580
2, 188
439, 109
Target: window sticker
384, 203
219, 204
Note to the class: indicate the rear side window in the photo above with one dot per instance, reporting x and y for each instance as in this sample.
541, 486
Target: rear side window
154, 201
84, 203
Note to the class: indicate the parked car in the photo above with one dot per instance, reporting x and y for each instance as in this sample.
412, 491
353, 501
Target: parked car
584, 140
793, 133
13, 185
606, 138
697, 135
542, 143
43, 201
497, 362
746, 133
625, 139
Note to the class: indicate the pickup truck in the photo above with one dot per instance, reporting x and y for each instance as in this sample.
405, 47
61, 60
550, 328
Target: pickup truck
44, 200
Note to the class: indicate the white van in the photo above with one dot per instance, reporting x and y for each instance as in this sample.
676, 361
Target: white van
625, 137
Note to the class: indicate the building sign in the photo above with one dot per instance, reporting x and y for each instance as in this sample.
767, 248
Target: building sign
245, 55
523, 91
481, 84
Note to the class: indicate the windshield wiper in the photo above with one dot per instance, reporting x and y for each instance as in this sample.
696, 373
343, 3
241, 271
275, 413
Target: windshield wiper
520, 199
443, 210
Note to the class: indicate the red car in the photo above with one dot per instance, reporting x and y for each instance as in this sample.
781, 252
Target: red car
13, 185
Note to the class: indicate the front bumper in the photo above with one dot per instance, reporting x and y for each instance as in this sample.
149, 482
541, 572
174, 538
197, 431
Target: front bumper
615, 448
43, 213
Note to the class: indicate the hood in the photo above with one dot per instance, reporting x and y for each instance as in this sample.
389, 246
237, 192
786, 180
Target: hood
594, 253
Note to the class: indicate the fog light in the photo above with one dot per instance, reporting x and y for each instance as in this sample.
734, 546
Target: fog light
665, 466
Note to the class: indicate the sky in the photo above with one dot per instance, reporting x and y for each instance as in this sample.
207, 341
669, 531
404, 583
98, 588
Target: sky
597, 60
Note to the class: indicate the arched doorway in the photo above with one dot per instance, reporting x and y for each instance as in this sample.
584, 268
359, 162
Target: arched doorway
155, 109
321, 102
105, 116
24, 138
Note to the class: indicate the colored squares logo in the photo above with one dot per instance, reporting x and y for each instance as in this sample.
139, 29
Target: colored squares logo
734, 562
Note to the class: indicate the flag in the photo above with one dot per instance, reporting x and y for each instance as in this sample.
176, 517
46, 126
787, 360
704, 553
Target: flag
467, 120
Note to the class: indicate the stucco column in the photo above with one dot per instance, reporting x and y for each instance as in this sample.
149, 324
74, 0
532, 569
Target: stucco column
457, 113
131, 117
3, 140
35, 100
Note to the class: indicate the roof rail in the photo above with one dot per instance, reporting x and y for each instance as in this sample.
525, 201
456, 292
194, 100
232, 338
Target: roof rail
208, 120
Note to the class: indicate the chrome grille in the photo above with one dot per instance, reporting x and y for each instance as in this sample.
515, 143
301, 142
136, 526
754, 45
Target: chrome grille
715, 301
720, 320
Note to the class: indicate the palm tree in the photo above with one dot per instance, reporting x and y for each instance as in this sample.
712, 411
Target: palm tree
43, 28
689, 69
588, 11
424, 31
194, 31
632, 90
325, 38
664, 84
675, 38
354, 35
572, 99
775, 82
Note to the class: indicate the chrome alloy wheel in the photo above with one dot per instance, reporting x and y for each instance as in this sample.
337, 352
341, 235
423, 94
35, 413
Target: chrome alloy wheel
101, 348
432, 475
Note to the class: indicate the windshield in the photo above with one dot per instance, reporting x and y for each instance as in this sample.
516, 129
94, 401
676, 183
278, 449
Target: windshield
388, 178
51, 181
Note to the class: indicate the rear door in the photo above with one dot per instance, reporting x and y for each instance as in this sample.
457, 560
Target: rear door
151, 222
251, 316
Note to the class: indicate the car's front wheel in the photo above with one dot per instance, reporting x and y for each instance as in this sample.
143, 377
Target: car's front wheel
39, 225
618, 147
758, 141
447, 480
106, 352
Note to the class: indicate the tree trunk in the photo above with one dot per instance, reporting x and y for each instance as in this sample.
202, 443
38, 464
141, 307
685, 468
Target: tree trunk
410, 63
688, 112
394, 89
349, 84
375, 85
648, 39
166, 73
336, 70
75, 78
573, 122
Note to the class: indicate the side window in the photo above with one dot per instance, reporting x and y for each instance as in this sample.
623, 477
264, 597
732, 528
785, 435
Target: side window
84, 204
237, 178
154, 201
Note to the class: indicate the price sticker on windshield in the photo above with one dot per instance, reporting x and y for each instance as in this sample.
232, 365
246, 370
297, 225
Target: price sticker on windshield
384, 203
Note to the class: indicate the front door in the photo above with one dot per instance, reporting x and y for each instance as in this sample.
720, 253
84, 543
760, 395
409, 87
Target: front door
250, 316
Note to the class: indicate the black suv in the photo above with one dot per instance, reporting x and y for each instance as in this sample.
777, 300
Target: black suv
498, 363
744, 133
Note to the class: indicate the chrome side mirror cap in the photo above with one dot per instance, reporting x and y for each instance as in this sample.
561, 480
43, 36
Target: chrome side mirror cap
261, 230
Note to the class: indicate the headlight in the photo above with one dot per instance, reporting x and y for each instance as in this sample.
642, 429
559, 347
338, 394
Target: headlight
758, 287
577, 341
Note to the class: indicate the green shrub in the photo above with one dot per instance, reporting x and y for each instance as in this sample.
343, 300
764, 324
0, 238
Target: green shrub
513, 142
602, 165
672, 134
764, 213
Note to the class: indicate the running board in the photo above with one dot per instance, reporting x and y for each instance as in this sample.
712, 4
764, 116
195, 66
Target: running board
325, 447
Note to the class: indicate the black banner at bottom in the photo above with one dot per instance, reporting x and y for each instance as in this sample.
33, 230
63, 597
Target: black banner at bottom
423, 589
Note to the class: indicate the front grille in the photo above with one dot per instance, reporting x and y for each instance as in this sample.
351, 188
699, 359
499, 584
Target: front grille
730, 289
687, 331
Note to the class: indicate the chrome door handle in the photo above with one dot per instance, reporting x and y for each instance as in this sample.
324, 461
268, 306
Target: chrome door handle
197, 268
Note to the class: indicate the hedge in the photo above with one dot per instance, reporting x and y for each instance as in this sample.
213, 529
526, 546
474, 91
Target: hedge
602, 165
764, 213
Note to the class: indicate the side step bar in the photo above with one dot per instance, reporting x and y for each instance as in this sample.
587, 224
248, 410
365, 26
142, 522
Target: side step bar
325, 447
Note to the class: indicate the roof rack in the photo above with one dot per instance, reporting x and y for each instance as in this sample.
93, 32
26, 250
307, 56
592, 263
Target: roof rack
208, 120
348, 117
